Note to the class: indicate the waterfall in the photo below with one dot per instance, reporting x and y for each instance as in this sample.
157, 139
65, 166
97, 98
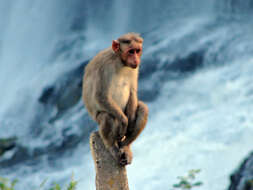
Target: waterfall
195, 77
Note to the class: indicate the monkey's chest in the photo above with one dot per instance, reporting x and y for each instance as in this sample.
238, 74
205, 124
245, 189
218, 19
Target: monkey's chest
120, 91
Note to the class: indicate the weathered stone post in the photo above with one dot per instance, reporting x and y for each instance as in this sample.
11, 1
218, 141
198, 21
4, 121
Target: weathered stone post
109, 175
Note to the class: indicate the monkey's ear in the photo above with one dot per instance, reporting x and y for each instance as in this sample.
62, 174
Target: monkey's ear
115, 45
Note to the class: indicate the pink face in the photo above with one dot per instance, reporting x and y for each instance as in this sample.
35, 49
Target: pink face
131, 54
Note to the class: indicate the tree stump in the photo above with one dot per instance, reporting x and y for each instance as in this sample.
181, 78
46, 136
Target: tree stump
109, 175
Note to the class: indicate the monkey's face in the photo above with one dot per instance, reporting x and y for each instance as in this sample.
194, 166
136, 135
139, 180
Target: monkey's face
129, 50
131, 55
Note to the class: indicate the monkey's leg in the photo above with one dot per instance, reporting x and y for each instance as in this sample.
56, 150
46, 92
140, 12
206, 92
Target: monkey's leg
133, 131
108, 133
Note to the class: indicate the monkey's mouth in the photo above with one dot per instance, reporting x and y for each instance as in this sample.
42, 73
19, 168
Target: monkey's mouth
134, 66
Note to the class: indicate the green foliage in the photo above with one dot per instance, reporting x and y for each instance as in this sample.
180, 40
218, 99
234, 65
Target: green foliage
6, 184
188, 182
185, 183
71, 186
55, 187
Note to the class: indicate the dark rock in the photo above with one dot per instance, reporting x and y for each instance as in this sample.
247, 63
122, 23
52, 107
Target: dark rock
190, 63
109, 174
7, 144
149, 94
61, 95
21, 154
148, 67
47, 93
64, 88
179, 67
242, 179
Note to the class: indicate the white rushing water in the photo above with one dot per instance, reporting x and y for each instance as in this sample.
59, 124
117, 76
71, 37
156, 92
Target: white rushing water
200, 120
205, 123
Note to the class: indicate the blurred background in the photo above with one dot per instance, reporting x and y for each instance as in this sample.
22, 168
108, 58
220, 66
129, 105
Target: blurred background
195, 76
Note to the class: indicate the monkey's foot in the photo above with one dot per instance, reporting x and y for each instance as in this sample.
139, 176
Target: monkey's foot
126, 156
121, 133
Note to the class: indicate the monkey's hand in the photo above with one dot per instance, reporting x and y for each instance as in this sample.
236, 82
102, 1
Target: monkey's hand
124, 120
122, 127
131, 119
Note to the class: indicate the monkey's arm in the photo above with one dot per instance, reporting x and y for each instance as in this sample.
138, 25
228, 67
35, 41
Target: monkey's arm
105, 100
132, 106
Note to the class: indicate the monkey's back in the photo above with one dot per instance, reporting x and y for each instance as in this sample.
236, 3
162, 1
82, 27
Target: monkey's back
90, 81
92, 78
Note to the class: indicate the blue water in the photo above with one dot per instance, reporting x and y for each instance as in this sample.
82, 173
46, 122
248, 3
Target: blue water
196, 77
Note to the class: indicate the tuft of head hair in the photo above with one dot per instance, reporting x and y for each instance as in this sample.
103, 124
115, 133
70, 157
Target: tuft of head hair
127, 38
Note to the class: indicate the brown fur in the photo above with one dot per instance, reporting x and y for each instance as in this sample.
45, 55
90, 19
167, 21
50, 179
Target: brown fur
110, 96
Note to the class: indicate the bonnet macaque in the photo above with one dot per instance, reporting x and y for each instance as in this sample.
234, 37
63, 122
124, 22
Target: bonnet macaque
110, 86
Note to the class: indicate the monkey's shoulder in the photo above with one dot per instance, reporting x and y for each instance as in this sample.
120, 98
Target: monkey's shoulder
104, 58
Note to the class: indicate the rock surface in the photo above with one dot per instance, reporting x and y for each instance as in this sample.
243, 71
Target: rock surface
242, 179
109, 175
7, 144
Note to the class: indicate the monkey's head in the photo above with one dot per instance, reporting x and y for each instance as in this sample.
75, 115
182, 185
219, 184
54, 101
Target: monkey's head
129, 48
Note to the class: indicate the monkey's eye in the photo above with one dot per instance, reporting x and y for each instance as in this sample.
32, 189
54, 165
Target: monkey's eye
126, 41
131, 51
138, 51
